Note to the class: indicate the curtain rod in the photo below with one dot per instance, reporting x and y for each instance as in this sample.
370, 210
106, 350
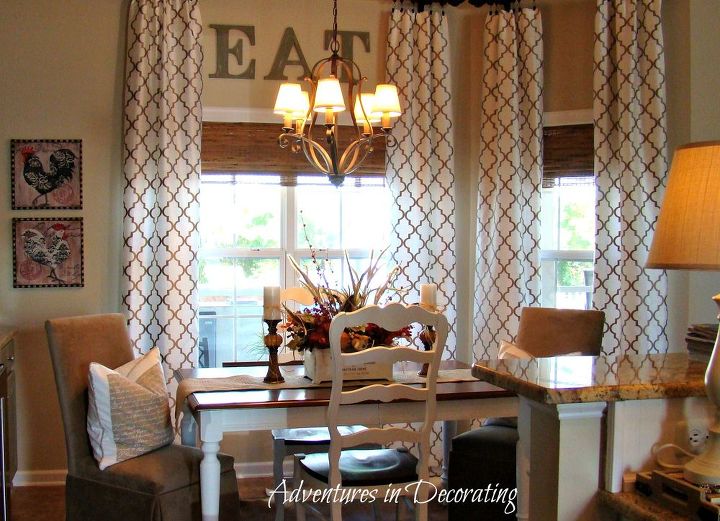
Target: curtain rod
507, 4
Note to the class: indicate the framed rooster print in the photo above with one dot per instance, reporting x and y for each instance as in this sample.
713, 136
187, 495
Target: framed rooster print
48, 253
46, 173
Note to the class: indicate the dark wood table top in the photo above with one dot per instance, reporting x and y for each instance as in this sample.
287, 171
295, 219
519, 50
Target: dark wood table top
312, 396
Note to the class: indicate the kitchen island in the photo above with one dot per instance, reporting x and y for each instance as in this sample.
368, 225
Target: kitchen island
584, 421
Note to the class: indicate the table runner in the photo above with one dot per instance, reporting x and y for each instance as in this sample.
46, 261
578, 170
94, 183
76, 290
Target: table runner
244, 382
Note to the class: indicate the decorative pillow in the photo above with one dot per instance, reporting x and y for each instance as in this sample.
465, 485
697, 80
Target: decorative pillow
128, 412
510, 351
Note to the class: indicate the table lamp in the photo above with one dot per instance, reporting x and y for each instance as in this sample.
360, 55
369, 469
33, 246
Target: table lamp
687, 237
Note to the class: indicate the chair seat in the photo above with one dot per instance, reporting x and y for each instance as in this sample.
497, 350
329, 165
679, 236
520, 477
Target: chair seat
365, 467
160, 471
492, 443
506, 421
312, 435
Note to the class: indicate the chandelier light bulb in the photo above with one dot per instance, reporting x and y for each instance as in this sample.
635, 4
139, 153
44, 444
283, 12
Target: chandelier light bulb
367, 102
387, 103
288, 102
328, 96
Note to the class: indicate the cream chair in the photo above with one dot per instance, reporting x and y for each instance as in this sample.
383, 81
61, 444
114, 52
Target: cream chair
486, 456
378, 470
288, 442
160, 485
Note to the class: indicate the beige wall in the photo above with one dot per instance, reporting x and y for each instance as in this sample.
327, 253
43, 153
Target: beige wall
63, 79
704, 125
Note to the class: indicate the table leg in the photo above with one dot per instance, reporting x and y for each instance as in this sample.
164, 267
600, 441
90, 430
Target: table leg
449, 432
522, 458
565, 456
188, 430
210, 436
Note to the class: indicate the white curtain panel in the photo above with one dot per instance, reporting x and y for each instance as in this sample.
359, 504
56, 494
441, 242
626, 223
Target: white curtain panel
631, 165
510, 176
420, 167
162, 126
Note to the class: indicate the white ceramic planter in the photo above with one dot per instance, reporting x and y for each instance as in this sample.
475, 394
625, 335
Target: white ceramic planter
318, 367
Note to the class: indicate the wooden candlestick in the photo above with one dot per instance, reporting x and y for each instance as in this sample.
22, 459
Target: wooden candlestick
273, 341
427, 337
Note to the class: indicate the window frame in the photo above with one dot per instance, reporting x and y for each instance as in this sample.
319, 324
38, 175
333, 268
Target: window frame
568, 151
288, 245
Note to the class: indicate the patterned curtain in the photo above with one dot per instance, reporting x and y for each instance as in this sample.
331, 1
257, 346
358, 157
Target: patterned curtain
420, 167
631, 165
508, 237
162, 126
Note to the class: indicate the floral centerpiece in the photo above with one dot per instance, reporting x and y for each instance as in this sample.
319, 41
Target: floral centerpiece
308, 328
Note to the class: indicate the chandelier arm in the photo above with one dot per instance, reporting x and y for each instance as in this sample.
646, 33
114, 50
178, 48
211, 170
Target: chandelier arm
366, 143
310, 152
354, 155
309, 148
332, 145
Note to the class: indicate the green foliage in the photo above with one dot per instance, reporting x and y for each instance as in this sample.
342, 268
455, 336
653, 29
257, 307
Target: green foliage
573, 214
253, 240
571, 273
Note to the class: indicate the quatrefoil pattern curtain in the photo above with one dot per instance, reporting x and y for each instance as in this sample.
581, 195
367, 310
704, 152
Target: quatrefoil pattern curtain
630, 165
420, 168
507, 273
161, 154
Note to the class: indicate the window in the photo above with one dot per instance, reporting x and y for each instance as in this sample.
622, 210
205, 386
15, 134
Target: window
567, 217
567, 242
248, 225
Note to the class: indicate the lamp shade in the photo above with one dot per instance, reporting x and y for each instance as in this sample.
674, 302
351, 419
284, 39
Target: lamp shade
687, 235
366, 102
328, 95
387, 100
303, 105
289, 99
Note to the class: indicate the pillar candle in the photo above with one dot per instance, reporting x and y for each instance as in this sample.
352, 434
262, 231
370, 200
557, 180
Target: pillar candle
428, 296
271, 303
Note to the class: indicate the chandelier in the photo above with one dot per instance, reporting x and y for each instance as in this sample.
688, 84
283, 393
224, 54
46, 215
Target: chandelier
300, 110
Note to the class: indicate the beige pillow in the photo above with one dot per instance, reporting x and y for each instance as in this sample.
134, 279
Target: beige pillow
128, 412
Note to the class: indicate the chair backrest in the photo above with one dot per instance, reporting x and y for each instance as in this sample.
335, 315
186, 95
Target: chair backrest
392, 318
555, 332
74, 343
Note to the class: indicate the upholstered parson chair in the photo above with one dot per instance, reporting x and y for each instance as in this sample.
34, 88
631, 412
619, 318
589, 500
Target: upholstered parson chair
486, 456
162, 485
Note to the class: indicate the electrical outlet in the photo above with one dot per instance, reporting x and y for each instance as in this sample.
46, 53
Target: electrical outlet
692, 434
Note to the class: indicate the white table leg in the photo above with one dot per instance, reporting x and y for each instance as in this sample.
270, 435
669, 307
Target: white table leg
565, 459
522, 461
188, 430
211, 434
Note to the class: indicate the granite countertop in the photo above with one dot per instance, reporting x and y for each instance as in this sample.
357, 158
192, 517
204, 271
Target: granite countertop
636, 507
6, 334
577, 379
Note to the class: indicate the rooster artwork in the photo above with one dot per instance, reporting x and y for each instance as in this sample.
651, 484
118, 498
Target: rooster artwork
48, 252
46, 174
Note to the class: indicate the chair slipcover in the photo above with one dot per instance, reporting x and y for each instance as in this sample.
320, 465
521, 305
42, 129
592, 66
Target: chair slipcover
162, 485
486, 456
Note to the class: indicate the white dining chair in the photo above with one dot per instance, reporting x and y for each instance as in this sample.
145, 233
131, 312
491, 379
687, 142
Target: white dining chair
376, 470
288, 442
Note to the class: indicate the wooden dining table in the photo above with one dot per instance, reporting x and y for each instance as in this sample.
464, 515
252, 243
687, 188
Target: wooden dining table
208, 415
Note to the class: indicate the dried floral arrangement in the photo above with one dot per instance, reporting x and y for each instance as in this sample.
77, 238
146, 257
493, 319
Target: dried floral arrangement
308, 328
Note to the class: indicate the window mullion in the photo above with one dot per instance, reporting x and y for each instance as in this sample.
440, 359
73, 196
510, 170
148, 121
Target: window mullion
289, 234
